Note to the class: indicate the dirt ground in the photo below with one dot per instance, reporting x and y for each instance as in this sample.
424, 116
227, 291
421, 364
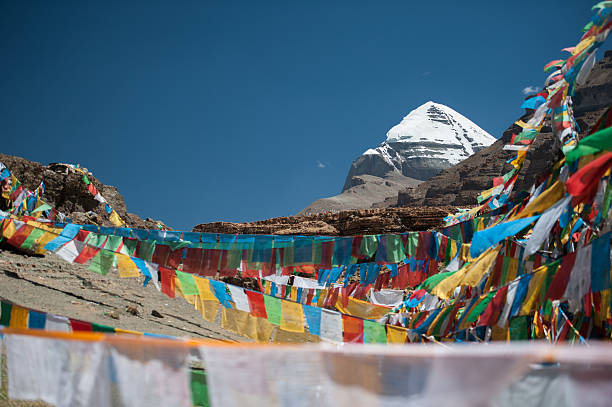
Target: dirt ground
50, 284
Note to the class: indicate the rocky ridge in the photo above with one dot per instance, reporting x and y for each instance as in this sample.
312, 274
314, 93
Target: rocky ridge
346, 223
65, 191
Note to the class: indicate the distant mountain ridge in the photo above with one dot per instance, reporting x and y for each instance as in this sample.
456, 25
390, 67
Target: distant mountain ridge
429, 139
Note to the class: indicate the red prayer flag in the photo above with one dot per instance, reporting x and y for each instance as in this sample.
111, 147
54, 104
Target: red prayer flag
86, 254
561, 278
256, 303
193, 260
80, 325
583, 184
21, 235
491, 314
352, 329
166, 276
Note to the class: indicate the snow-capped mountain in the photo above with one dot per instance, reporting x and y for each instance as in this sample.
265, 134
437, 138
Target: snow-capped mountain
429, 139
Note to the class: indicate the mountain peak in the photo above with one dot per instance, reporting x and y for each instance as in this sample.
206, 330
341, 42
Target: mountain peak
435, 121
428, 140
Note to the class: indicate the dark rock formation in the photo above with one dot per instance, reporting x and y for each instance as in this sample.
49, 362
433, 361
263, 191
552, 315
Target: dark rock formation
67, 192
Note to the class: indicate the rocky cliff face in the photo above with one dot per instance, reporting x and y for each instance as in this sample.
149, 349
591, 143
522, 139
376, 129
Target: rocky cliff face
346, 223
67, 193
460, 184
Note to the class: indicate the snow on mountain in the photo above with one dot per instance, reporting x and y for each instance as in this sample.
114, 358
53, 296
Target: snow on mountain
429, 139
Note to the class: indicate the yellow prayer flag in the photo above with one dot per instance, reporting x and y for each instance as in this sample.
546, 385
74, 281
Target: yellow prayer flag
8, 228
584, 44
258, 329
542, 202
480, 267
470, 274
361, 309
292, 316
234, 320
512, 269
453, 251
127, 268
208, 309
39, 244
396, 334
322, 295
293, 294
203, 285
115, 219
518, 161
534, 290
19, 317
445, 288
464, 252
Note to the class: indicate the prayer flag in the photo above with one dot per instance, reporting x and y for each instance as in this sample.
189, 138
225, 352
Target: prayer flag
292, 317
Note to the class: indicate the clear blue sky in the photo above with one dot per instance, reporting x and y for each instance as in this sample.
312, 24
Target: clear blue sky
238, 111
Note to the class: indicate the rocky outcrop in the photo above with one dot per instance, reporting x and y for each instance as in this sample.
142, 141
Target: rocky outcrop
461, 184
65, 191
346, 223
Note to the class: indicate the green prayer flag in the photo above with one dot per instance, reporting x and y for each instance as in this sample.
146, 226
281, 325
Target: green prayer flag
188, 285
287, 256
199, 389
577, 322
447, 252
551, 269
273, 309
44, 207
373, 332
369, 244
479, 308
29, 242
504, 271
129, 247
395, 249
434, 280
519, 328
102, 262
86, 180
436, 330
412, 243
94, 239
113, 242
605, 206
146, 249
233, 259
5, 313
101, 328
177, 245
317, 251
547, 310
593, 144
